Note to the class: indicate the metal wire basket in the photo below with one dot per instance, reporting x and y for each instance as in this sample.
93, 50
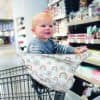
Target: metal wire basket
16, 84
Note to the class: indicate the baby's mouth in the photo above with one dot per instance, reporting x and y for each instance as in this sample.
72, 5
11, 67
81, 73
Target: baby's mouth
47, 33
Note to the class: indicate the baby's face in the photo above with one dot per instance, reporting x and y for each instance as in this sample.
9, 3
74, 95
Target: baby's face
44, 29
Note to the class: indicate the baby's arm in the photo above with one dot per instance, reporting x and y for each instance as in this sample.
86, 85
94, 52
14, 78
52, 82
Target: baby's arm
61, 49
69, 49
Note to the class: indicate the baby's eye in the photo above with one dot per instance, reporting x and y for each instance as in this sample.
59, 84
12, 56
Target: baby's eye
50, 25
43, 25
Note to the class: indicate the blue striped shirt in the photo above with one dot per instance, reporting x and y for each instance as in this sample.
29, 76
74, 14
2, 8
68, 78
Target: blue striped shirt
38, 46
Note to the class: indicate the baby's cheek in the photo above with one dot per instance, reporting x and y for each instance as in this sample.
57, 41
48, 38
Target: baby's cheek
53, 29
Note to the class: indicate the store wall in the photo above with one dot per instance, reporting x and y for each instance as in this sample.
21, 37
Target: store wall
27, 9
5, 9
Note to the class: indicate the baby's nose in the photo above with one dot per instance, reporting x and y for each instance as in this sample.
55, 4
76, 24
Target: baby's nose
48, 27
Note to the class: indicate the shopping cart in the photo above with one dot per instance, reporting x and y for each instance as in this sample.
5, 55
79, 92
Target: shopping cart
16, 84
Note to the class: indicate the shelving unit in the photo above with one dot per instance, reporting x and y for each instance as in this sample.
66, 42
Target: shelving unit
90, 75
84, 21
59, 17
90, 72
75, 27
6, 22
93, 44
6, 30
94, 58
94, 49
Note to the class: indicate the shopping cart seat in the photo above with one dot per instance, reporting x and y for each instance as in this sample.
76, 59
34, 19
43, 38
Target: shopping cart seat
40, 89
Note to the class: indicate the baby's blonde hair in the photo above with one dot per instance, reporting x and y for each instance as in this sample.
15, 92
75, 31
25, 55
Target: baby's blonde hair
39, 16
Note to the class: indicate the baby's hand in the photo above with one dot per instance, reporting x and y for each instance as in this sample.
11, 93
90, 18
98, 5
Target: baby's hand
81, 49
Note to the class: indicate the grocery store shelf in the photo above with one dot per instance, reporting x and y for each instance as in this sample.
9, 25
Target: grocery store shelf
94, 62
86, 41
6, 19
53, 2
60, 34
94, 58
88, 20
85, 74
96, 41
78, 74
60, 17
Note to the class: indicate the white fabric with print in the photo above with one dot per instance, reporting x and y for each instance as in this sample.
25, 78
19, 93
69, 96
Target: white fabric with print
53, 71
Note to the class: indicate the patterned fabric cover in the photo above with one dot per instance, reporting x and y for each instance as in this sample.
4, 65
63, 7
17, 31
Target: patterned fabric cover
53, 71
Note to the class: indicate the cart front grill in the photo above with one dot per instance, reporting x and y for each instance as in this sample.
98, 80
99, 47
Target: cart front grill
16, 84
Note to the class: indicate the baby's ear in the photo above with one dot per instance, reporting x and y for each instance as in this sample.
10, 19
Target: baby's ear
33, 29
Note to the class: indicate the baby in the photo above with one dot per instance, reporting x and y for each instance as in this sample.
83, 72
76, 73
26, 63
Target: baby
43, 29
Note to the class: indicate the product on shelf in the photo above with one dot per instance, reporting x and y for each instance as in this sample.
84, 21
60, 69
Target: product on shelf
90, 73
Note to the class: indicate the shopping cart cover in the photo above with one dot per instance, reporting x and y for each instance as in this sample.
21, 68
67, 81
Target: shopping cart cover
54, 71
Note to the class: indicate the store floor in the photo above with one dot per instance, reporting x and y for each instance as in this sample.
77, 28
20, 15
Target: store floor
72, 96
8, 57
